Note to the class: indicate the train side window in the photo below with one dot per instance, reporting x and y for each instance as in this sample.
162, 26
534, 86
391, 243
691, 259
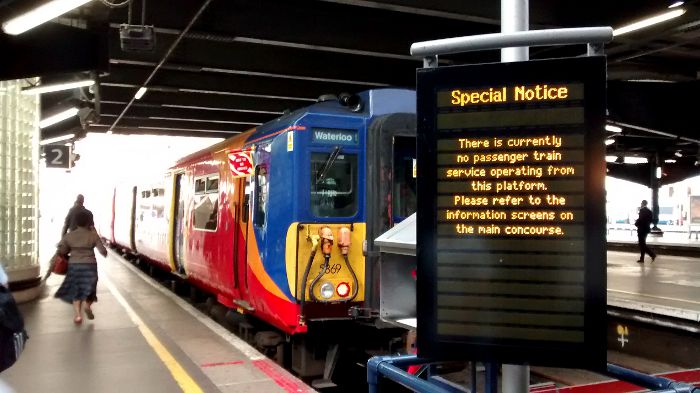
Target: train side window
262, 188
246, 199
212, 184
199, 186
246, 207
206, 210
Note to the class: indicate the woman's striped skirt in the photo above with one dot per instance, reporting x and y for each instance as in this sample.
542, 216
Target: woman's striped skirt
80, 283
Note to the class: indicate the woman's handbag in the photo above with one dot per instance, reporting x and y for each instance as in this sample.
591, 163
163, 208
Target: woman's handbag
59, 264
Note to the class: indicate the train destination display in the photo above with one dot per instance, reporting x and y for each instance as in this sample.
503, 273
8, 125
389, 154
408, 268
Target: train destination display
511, 217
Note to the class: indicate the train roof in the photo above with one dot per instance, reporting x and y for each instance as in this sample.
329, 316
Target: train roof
375, 102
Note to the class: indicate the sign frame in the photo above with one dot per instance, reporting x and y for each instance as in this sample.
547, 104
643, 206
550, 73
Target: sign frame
591, 73
58, 156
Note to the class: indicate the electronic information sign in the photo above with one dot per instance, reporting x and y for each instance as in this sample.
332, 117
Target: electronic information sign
511, 218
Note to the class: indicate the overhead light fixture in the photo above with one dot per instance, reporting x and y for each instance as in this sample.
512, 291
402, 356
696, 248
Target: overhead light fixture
56, 139
39, 15
670, 161
658, 172
635, 160
609, 141
678, 154
612, 128
649, 80
140, 93
626, 159
648, 22
57, 87
51, 120
676, 4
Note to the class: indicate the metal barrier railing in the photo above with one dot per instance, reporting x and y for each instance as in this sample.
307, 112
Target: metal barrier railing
393, 368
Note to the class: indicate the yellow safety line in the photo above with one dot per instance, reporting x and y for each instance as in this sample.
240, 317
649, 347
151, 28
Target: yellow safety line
186, 382
657, 297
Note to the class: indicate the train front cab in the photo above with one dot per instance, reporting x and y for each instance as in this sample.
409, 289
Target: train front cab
355, 178
324, 259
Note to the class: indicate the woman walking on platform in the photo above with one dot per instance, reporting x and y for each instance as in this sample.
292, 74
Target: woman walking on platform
80, 285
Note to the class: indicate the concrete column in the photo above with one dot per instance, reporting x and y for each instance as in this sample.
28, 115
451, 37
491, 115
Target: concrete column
19, 189
655, 181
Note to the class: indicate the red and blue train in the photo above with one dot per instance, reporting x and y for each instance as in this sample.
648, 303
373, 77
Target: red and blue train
278, 222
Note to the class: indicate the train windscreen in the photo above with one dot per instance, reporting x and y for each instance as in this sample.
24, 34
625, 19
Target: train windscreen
333, 184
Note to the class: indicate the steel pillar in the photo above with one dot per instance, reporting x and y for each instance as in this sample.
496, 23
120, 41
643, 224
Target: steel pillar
515, 18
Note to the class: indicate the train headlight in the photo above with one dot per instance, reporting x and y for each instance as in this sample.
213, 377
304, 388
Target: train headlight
343, 289
327, 290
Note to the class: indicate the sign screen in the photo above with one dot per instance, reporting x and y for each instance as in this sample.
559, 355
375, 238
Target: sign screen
511, 247
57, 156
334, 136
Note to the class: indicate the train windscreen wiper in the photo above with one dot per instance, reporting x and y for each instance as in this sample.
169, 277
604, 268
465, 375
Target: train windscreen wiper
328, 164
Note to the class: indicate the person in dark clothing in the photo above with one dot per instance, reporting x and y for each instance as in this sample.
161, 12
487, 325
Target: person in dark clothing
70, 223
642, 224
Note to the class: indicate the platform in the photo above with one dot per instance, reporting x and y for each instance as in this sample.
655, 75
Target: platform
669, 286
143, 339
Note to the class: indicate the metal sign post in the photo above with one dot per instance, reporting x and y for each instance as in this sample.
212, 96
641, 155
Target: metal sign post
515, 17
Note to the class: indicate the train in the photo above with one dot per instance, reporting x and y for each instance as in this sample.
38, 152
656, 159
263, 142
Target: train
278, 223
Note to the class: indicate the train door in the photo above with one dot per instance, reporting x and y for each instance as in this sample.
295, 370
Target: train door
240, 235
391, 186
132, 227
403, 193
178, 224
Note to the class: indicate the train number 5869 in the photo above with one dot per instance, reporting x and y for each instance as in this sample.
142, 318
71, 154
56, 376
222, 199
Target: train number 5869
330, 269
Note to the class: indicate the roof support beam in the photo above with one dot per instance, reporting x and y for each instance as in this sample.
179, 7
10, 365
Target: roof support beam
44, 51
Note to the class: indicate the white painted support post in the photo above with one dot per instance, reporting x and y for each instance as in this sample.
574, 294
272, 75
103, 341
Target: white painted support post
515, 18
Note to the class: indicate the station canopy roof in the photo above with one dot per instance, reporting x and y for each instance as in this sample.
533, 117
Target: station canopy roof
242, 63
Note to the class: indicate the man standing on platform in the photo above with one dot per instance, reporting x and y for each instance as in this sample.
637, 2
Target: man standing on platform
642, 224
70, 223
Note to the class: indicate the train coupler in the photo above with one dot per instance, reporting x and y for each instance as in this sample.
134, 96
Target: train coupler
362, 313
